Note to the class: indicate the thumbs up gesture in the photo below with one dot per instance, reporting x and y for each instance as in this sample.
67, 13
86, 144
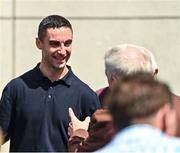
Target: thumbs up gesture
76, 124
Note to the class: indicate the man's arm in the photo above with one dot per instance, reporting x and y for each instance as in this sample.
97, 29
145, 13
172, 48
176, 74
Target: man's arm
5, 114
77, 129
1, 138
100, 132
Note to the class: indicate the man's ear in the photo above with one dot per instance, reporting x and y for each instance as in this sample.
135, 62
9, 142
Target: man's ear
112, 82
171, 123
155, 72
38, 43
169, 120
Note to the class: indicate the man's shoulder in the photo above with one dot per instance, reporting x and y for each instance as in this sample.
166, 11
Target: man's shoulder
176, 98
81, 85
18, 81
142, 138
102, 91
99, 91
102, 115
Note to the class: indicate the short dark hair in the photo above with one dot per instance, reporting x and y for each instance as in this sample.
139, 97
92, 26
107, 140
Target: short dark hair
138, 96
52, 21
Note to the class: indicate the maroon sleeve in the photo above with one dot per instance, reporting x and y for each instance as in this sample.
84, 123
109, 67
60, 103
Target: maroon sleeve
76, 139
100, 133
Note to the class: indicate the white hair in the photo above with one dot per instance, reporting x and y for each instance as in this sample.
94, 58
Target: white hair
118, 63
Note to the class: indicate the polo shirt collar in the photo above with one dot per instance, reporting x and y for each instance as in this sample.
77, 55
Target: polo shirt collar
38, 74
67, 79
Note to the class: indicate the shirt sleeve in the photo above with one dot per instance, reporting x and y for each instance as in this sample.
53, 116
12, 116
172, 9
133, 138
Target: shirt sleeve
5, 112
89, 104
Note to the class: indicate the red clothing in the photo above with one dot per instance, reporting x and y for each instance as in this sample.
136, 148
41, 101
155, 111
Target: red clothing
100, 133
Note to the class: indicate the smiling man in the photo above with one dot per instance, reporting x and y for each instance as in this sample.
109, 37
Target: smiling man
34, 107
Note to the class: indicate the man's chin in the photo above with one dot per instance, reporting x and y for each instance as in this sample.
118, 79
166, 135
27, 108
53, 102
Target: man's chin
60, 66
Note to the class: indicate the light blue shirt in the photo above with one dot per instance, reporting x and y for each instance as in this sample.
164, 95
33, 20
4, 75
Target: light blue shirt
142, 138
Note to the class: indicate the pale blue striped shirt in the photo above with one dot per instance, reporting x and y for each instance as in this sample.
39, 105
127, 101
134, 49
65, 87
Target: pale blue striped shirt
142, 138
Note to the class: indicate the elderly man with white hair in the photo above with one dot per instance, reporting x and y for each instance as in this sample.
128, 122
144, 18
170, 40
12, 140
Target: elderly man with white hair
125, 59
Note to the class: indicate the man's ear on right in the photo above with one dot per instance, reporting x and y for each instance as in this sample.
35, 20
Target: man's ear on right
171, 123
166, 120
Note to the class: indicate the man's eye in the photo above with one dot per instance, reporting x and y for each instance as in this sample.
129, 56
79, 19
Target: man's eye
67, 43
54, 43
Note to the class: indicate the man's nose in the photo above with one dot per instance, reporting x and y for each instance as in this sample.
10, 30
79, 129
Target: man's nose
61, 49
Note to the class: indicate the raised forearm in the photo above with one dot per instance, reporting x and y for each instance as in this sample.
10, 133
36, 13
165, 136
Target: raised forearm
76, 139
1, 137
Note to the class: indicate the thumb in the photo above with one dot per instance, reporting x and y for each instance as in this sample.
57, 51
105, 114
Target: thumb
71, 114
87, 119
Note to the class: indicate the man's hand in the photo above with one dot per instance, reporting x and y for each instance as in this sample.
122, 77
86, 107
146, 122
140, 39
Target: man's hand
76, 124
1, 138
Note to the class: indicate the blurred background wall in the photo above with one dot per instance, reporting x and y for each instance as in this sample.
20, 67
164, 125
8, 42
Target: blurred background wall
98, 25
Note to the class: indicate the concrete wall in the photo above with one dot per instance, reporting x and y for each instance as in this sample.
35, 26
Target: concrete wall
98, 25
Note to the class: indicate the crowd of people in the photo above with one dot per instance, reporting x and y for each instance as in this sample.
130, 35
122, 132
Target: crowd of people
49, 109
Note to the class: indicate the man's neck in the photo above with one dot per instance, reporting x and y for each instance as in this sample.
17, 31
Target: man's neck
53, 74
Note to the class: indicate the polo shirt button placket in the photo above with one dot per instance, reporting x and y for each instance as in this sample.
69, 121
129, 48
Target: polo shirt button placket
50, 94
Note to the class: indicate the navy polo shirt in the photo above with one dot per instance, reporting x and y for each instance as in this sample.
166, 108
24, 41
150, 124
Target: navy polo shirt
34, 110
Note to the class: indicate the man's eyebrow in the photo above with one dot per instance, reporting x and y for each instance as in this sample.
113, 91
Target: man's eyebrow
56, 41
53, 41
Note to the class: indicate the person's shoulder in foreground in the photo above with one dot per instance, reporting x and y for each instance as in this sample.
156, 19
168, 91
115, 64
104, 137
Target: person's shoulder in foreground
142, 139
